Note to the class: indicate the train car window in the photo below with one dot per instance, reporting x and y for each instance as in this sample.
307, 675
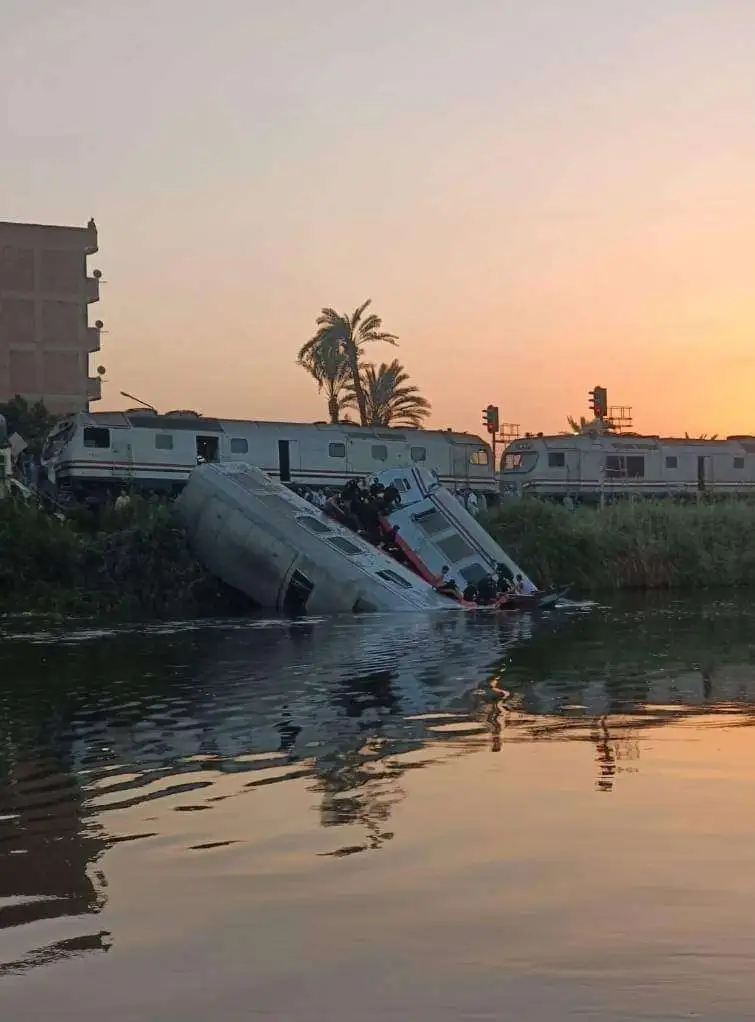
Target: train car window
313, 524
636, 467
739, 463
380, 452
615, 467
239, 445
96, 436
672, 461
163, 442
474, 573
524, 462
391, 576
345, 545
418, 453
556, 459
479, 458
337, 450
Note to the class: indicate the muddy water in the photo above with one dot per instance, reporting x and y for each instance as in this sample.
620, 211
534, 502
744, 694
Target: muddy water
387, 819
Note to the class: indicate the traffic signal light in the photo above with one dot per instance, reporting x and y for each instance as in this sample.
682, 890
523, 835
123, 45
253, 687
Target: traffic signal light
599, 402
490, 418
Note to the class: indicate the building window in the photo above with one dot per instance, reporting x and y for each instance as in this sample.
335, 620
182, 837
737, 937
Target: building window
379, 452
672, 462
97, 436
418, 453
739, 463
556, 459
239, 445
337, 450
163, 442
479, 458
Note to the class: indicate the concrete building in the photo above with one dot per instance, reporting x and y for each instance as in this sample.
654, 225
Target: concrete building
45, 336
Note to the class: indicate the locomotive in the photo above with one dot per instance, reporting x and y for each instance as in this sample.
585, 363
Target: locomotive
589, 466
98, 453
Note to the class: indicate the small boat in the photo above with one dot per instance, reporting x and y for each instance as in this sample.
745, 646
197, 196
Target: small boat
256, 535
430, 531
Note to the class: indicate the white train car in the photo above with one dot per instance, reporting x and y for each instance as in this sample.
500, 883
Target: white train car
587, 466
109, 451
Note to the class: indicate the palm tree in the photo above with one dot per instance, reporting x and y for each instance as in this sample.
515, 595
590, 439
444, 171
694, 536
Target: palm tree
390, 400
331, 371
348, 335
576, 426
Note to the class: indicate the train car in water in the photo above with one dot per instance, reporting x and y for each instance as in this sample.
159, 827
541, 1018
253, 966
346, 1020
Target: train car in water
587, 466
104, 452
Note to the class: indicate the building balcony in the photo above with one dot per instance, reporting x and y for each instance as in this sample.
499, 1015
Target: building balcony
92, 289
94, 388
93, 338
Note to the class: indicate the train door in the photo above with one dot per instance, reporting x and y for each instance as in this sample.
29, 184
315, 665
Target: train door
459, 459
208, 447
574, 468
288, 460
122, 454
704, 471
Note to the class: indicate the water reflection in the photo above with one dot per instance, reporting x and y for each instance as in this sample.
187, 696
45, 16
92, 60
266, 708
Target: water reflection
96, 728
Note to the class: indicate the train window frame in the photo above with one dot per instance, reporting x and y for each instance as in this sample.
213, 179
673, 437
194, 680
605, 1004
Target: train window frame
739, 463
314, 525
624, 466
160, 445
380, 452
391, 576
672, 461
337, 450
92, 433
418, 453
556, 459
236, 441
346, 546
480, 458
519, 461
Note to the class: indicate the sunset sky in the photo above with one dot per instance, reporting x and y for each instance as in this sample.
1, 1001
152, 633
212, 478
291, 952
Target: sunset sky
538, 195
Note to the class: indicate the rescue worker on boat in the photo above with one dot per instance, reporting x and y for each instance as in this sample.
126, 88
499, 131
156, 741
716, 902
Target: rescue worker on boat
447, 586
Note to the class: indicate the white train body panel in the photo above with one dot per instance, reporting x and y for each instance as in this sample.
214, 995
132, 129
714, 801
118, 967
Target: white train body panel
122, 449
587, 466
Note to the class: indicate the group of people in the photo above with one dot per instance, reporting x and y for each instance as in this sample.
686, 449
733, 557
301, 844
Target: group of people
362, 504
488, 590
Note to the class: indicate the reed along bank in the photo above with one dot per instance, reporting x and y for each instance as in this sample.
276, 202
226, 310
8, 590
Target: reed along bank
136, 562
629, 545
133, 562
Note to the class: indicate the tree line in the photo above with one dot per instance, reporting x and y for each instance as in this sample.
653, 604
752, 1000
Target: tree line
380, 395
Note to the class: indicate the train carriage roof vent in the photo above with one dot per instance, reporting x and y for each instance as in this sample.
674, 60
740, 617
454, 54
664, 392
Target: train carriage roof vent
184, 413
140, 411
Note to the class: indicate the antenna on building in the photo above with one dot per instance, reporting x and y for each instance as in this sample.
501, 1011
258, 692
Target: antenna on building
146, 404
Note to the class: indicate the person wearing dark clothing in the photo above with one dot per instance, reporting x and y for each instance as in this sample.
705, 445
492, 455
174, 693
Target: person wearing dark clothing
486, 591
391, 499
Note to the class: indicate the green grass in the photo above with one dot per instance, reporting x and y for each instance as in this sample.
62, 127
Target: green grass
134, 563
643, 545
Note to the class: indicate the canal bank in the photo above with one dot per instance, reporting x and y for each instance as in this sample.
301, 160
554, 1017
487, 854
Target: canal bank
136, 562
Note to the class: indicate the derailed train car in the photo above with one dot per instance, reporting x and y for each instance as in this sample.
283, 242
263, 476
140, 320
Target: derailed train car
590, 466
101, 452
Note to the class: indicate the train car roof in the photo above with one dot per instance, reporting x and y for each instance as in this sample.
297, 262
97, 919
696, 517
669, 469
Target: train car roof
201, 423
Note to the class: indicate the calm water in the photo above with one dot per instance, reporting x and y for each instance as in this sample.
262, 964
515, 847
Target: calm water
381, 819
